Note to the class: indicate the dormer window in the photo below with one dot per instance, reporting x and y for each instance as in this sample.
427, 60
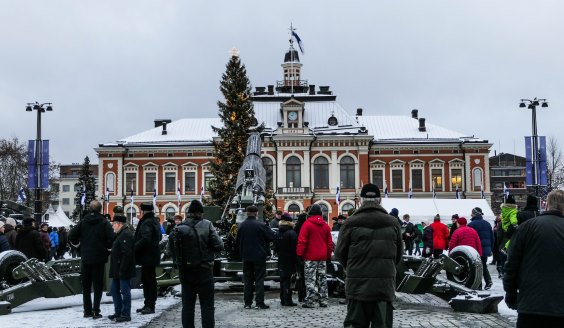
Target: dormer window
332, 121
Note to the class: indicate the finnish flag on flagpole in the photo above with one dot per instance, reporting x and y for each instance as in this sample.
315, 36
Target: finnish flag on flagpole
299, 41
410, 194
457, 194
21, 195
202, 191
155, 197
434, 193
505, 191
107, 194
338, 195
131, 193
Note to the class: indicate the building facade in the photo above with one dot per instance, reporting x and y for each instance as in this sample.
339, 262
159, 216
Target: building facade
68, 185
508, 170
311, 145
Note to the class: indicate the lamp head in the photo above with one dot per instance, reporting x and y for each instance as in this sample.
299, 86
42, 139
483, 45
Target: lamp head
28, 108
544, 104
522, 105
535, 102
49, 108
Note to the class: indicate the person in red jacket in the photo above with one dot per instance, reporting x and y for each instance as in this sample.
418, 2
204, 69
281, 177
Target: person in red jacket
465, 236
315, 246
440, 236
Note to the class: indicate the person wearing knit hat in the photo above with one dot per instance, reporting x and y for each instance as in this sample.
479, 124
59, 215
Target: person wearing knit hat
453, 226
285, 245
530, 211
253, 238
369, 248
485, 232
315, 245
465, 236
440, 236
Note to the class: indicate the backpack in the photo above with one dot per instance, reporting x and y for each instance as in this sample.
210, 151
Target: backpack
186, 245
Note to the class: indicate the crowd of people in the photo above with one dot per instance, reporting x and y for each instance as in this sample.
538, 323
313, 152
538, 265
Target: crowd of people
371, 243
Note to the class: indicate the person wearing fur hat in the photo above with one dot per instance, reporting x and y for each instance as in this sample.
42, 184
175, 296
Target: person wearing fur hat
122, 268
315, 246
28, 240
148, 255
370, 247
10, 232
196, 279
286, 243
465, 236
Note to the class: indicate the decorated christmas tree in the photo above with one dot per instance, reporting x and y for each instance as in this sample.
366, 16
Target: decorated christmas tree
237, 115
86, 186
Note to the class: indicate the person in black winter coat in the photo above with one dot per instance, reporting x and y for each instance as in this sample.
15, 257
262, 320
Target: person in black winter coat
122, 268
409, 234
4, 244
148, 255
253, 238
63, 241
427, 239
95, 235
530, 211
28, 241
300, 283
485, 232
286, 242
534, 268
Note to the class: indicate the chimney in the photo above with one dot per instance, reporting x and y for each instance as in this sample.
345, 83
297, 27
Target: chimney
414, 113
271, 89
422, 127
162, 123
312, 89
359, 112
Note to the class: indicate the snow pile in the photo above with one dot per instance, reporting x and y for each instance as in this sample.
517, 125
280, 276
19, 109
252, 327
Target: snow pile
68, 312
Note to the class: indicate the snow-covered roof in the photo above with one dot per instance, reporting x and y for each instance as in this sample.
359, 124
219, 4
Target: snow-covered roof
404, 127
198, 131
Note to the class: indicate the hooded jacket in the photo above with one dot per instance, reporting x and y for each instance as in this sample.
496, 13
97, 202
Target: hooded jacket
11, 234
370, 247
485, 232
286, 243
465, 236
508, 215
122, 260
95, 235
315, 242
440, 235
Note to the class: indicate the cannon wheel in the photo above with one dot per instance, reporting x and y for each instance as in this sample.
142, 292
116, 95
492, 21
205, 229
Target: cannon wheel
469, 259
9, 260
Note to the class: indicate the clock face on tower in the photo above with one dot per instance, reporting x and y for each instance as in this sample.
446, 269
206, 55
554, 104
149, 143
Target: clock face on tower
293, 116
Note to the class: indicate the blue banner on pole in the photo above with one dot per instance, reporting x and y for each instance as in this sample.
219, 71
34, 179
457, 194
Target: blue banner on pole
45, 164
543, 181
529, 161
31, 168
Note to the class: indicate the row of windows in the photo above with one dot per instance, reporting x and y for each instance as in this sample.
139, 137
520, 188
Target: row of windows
416, 182
171, 184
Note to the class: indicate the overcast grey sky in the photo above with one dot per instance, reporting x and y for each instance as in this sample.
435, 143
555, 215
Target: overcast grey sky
111, 67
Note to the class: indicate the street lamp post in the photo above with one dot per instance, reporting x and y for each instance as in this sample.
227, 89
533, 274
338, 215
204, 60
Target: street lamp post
40, 108
532, 104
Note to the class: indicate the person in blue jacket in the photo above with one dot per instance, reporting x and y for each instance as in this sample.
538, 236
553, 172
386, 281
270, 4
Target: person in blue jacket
54, 236
485, 232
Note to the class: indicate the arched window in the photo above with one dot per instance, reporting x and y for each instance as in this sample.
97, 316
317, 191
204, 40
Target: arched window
110, 182
347, 172
321, 173
130, 213
293, 172
170, 212
269, 168
346, 207
478, 184
294, 209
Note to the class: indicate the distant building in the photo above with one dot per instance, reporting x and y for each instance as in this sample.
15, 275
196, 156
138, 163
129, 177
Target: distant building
508, 170
68, 180
311, 146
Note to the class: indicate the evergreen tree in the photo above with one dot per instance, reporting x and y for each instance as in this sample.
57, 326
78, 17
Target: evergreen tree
85, 182
237, 116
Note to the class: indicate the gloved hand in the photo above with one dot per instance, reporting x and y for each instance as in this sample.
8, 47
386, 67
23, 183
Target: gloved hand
511, 300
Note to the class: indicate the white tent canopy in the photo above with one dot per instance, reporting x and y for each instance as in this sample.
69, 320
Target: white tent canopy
426, 209
56, 218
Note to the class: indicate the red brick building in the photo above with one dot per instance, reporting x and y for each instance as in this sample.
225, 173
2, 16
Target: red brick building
311, 146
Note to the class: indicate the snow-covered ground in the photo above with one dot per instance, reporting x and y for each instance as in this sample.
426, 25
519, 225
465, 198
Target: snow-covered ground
67, 312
